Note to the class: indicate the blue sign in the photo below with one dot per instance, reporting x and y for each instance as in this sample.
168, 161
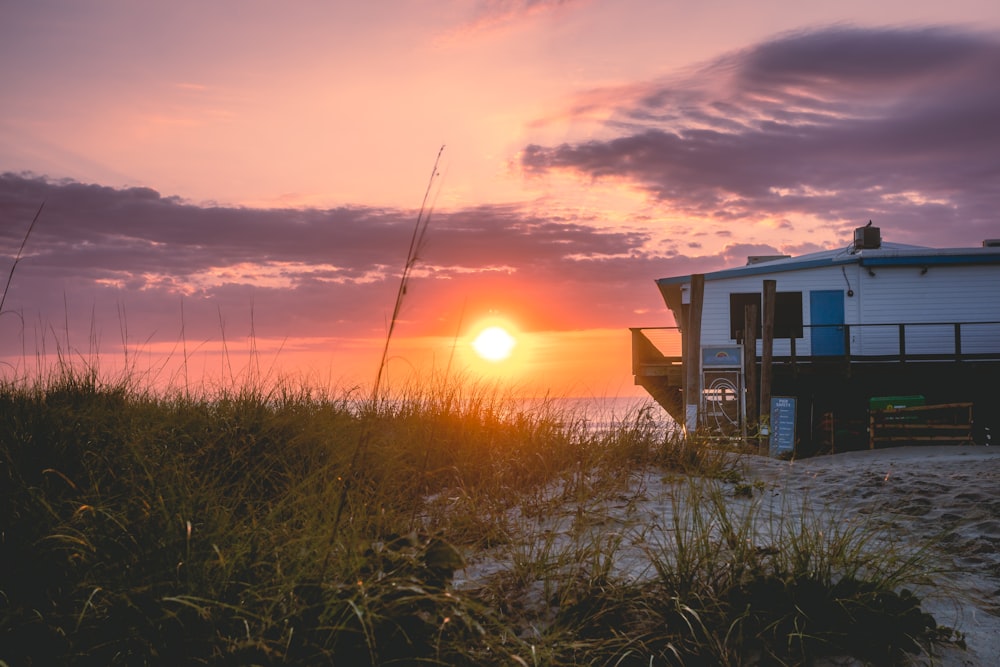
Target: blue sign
782, 425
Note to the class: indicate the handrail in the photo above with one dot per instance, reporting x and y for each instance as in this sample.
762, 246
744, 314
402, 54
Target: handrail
646, 351
912, 343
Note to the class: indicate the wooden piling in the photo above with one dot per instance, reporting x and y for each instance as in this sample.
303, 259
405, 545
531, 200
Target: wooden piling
766, 358
692, 362
750, 365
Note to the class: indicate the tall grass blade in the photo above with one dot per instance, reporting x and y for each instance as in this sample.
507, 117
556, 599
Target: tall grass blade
416, 243
17, 258
412, 255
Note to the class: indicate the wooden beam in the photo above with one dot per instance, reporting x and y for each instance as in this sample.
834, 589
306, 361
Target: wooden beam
750, 364
692, 383
767, 356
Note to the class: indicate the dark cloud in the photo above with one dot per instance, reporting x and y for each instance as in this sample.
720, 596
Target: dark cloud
102, 229
841, 125
848, 57
97, 251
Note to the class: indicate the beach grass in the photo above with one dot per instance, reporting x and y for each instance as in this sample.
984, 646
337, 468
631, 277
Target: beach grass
141, 528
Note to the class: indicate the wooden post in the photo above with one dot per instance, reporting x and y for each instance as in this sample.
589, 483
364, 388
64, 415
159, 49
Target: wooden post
750, 364
871, 430
692, 362
833, 433
766, 357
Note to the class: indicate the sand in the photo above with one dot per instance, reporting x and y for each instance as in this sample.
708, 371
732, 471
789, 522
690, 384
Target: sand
945, 495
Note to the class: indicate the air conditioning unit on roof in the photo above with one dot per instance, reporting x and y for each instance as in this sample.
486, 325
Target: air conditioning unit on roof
867, 237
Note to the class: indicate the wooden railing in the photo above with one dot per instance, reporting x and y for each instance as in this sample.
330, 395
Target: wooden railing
655, 346
943, 423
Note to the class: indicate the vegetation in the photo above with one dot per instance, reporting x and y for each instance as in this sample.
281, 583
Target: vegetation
142, 529
282, 526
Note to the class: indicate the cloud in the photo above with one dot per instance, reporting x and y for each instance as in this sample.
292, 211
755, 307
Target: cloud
497, 15
317, 272
840, 125
102, 229
828, 127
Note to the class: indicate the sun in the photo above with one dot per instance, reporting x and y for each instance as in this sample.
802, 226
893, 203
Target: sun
494, 344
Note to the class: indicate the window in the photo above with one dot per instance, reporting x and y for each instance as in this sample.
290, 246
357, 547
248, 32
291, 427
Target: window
738, 302
787, 314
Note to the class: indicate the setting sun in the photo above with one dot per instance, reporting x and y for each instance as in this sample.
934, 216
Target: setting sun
494, 344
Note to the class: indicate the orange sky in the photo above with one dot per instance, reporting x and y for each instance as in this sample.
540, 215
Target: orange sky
243, 178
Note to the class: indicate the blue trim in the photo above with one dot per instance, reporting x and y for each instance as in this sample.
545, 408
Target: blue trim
763, 269
932, 260
783, 266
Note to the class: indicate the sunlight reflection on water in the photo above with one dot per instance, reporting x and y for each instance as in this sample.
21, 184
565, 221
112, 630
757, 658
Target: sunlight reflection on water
604, 413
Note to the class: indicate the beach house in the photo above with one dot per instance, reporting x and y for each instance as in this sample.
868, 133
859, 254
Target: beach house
834, 334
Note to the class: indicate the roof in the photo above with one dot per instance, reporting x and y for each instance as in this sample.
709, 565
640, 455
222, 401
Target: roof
889, 254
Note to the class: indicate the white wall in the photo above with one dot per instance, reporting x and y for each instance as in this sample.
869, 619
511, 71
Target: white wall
894, 295
715, 315
945, 294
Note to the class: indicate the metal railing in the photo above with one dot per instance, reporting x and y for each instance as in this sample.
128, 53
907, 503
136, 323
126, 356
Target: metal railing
895, 342
902, 342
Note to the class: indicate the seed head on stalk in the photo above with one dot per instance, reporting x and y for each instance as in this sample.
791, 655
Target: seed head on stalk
17, 258
412, 256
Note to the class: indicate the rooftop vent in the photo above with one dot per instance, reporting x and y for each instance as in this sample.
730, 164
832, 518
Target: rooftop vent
991, 243
867, 237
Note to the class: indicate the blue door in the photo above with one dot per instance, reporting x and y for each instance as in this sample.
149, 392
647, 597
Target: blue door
826, 313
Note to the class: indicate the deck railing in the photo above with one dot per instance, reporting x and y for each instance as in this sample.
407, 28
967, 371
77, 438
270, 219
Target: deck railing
655, 346
862, 343
903, 342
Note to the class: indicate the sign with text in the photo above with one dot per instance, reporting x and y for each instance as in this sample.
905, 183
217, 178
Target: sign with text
782, 425
721, 356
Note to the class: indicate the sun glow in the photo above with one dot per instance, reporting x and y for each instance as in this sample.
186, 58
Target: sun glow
494, 344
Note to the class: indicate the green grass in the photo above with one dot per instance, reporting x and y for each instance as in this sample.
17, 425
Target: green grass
143, 529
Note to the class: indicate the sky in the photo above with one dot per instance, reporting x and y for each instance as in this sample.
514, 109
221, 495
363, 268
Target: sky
229, 190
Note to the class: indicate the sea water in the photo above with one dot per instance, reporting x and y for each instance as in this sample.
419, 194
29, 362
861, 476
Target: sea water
602, 413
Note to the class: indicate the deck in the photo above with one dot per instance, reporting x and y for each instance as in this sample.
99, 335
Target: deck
959, 363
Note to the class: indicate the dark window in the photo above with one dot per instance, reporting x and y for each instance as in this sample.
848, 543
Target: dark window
787, 314
738, 302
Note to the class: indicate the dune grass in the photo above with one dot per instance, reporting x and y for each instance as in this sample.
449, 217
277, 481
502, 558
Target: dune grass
145, 529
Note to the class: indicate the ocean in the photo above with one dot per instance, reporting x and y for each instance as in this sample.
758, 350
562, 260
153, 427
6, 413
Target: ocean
603, 413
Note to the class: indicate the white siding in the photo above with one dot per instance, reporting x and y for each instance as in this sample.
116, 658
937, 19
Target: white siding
715, 315
944, 294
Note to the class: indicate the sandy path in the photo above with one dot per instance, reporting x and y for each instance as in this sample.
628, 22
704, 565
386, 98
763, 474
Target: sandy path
947, 493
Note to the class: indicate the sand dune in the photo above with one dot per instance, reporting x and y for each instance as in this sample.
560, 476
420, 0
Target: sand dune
945, 496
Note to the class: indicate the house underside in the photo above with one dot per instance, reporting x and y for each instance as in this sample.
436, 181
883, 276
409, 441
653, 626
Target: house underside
833, 394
